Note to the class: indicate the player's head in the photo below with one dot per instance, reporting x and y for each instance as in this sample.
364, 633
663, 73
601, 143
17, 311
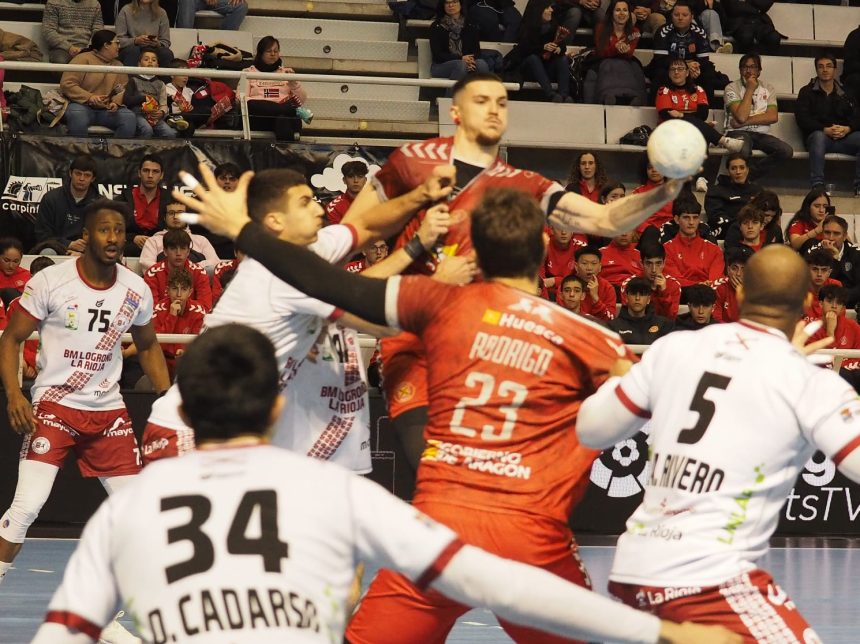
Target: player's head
11, 253
573, 289
587, 262
177, 247
835, 230
612, 192
479, 108
638, 291
148, 57
228, 380
354, 176
833, 298
82, 173
776, 285
227, 176
104, 230
751, 222
825, 66
179, 285
151, 171
586, 166
701, 299
820, 264
507, 233
40, 263
653, 260
736, 259
376, 252
750, 66
738, 167
281, 200
686, 210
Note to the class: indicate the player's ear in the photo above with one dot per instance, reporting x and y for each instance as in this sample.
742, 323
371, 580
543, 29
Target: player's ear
454, 111
273, 222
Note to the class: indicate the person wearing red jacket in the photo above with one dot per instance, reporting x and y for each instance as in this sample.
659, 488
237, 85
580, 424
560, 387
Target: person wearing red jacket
12, 276
621, 260
177, 246
820, 264
665, 290
652, 179
559, 260
354, 178
844, 331
689, 258
177, 313
727, 308
599, 299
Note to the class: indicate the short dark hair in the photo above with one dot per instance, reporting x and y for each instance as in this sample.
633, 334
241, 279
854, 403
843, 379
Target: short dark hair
819, 257
638, 286
833, 292
824, 55
754, 57
177, 238
685, 204
84, 163
474, 77
178, 63
737, 255
573, 277
354, 169
180, 277
40, 263
700, 295
106, 204
737, 156
836, 219
227, 168
11, 242
750, 212
652, 251
683, 3
152, 158
228, 380
609, 187
768, 200
507, 233
267, 190
587, 250
147, 50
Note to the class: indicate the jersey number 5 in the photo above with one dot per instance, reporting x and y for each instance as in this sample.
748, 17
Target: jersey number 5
487, 383
702, 406
268, 545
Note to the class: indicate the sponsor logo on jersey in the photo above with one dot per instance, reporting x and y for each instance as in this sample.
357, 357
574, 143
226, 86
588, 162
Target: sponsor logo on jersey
656, 531
512, 321
405, 392
121, 427
155, 446
71, 318
655, 597
739, 515
99, 303
40, 445
489, 461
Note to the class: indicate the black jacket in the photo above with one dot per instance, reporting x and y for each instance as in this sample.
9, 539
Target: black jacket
814, 110
470, 36
642, 330
741, 11
685, 322
723, 201
847, 271
772, 234
851, 51
60, 217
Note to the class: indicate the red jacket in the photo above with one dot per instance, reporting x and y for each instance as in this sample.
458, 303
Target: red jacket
813, 312
846, 336
220, 269
658, 218
16, 280
693, 261
726, 308
610, 51
337, 207
604, 308
665, 302
559, 262
30, 346
190, 321
618, 264
156, 279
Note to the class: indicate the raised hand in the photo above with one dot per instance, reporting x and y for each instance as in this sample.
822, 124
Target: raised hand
224, 213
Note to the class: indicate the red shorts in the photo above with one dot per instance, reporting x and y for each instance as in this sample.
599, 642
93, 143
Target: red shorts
394, 611
404, 373
751, 605
103, 441
160, 442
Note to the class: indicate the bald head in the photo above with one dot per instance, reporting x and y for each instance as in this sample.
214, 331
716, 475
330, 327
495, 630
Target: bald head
776, 282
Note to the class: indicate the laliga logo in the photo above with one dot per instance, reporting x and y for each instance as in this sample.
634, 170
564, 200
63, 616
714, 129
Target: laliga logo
624, 470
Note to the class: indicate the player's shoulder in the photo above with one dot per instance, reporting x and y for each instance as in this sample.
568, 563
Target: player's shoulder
700, 90
162, 305
435, 149
665, 30
196, 307
130, 279
696, 29
155, 269
721, 281
195, 267
664, 90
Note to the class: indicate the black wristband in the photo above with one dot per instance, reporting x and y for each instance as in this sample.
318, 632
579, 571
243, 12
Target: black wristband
414, 248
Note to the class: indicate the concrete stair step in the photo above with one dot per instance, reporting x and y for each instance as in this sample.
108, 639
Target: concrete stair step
338, 108
361, 91
320, 28
346, 49
364, 128
355, 9
309, 65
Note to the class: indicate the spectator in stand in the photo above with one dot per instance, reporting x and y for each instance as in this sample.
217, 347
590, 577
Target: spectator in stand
681, 39
806, 227
31, 347
201, 253
729, 194
177, 313
846, 256
573, 289
619, 77
233, 12
750, 111
146, 96
689, 258
751, 27
148, 200
665, 289
354, 178
227, 176
829, 120
599, 298
275, 105
497, 20
96, 98
620, 260
750, 223
851, 65
177, 247
455, 44
222, 275
710, 16
139, 24
539, 52
727, 308
766, 202
846, 332
61, 210
820, 264
68, 27
181, 105
587, 176
573, 13
649, 230
12, 276
647, 16
560, 259
636, 322
371, 255
681, 98
700, 301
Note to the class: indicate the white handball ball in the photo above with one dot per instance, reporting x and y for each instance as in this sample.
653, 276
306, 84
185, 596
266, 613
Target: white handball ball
677, 149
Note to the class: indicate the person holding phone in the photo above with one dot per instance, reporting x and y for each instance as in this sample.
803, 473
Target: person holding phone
143, 23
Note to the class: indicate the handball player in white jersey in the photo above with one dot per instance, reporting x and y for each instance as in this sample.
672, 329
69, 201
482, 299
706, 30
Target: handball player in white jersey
315, 422
81, 308
728, 441
243, 542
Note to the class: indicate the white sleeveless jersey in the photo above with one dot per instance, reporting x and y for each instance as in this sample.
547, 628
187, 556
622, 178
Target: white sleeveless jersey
327, 413
80, 356
736, 411
243, 544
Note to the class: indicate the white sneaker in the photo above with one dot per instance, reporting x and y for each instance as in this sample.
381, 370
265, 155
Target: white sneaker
732, 145
116, 633
701, 184
725, 48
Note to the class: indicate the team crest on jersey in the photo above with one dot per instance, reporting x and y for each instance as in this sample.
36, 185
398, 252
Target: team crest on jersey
99, 303
653, 329
72, 317
405, 392
41, 445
